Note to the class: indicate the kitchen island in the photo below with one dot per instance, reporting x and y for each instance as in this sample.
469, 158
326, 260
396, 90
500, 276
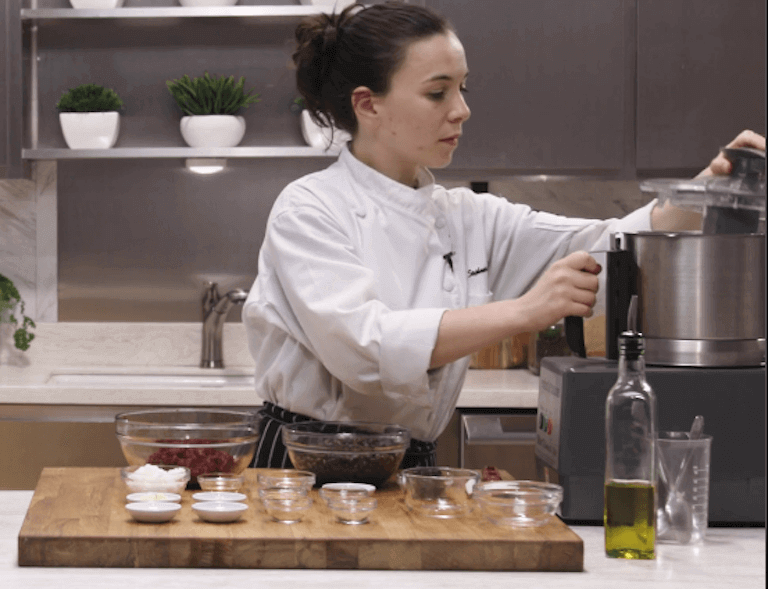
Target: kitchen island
730, 557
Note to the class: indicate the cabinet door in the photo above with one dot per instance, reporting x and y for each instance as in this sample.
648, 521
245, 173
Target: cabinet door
701, 79
548, 86
11, 95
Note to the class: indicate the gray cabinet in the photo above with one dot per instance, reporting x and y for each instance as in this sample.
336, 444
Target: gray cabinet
11, 92
701, 78
550, 85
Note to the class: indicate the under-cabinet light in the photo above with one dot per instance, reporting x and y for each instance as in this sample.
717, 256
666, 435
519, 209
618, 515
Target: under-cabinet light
206, 165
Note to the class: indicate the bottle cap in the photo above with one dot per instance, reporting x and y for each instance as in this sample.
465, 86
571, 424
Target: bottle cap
632, 344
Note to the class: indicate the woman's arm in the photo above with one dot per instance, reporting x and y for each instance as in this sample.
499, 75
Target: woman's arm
671, 218
568, 287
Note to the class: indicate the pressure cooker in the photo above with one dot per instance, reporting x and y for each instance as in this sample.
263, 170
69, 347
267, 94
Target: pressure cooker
701, 294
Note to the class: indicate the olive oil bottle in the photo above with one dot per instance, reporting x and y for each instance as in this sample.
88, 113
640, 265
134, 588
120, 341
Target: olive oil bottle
630, 453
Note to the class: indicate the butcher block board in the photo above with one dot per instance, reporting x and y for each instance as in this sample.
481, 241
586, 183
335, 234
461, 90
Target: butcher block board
77, 518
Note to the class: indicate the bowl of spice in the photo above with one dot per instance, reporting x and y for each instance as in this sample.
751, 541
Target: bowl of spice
356, 452
202, 440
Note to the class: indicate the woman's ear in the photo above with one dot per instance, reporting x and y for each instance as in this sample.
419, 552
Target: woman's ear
364, 104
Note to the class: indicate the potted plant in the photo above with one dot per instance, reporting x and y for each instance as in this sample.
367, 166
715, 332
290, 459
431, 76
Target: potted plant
10, 304
210, 105
89, 117
316, 135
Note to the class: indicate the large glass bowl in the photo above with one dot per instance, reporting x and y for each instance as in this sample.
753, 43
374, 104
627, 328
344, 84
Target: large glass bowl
518, 503
204, 440
357, 452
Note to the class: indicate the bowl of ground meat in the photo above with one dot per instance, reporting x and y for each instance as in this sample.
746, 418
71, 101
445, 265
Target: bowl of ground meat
203, 440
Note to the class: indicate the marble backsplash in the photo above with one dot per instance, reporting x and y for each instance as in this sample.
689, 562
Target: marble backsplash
28, 239
28, 221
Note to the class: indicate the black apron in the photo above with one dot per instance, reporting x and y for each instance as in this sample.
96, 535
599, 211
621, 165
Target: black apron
272, 453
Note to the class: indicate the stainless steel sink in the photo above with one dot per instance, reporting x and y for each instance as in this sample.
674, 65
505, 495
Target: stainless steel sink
153, 380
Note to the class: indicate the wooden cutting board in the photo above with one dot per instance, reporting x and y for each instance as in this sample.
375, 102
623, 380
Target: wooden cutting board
77, 518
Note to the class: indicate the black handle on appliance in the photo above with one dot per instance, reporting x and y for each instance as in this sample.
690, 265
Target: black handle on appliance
620, 285
574, 335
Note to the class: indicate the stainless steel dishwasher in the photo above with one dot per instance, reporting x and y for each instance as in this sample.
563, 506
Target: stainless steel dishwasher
505, 439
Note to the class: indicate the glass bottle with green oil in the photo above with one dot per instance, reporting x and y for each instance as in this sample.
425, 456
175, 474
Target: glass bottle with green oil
630, 465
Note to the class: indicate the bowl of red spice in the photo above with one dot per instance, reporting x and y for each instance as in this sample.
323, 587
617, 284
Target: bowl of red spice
203, 440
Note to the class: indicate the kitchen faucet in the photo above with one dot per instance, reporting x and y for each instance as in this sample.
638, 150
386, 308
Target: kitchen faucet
215, 311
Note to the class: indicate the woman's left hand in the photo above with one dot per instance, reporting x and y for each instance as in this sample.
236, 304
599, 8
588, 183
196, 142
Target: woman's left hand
721, 166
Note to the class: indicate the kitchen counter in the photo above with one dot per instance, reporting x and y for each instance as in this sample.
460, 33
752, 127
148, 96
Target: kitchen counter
136, 364
730, 557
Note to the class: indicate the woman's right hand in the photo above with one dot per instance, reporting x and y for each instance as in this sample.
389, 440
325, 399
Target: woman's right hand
567, 287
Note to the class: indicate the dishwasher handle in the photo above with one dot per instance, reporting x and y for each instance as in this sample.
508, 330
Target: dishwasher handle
488, 429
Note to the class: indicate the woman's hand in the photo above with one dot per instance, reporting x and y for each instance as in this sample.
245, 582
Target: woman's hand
567, 287
670, 218
721, 166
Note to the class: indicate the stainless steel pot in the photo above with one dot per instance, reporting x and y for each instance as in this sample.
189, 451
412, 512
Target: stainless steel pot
701, 297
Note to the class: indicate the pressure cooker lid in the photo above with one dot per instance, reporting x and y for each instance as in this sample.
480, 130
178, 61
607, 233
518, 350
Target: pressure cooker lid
730, 204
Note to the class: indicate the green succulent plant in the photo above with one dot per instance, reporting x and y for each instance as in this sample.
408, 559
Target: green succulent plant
10, 299
89, 98
208, 95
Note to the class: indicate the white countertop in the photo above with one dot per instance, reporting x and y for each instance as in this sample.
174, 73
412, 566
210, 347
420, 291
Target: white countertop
729, 557
173, 350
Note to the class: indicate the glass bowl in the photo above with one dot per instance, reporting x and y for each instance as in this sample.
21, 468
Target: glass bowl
285, 478
220, 481
352, 510
203, 440
357, 452
518, 503
336, 491
439, 491
153, 478
282, 493
289, 508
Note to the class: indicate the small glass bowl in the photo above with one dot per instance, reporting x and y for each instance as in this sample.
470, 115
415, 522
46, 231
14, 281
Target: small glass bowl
439, 491
174, 481
352, 510
283, 493
221, 481
518, 503
335, 491
289, 508
285, 478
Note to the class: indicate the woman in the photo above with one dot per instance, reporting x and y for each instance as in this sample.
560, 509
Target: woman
375, 285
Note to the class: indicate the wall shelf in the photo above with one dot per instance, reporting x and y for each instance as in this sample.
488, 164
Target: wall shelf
177, 152
263, 13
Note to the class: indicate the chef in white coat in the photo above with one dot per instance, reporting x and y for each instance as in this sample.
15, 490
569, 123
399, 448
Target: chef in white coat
375, 284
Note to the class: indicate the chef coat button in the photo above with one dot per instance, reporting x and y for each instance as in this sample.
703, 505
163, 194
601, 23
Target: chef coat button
449, 283
440, 222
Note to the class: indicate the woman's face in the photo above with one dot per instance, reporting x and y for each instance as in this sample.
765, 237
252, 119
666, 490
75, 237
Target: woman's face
418, 121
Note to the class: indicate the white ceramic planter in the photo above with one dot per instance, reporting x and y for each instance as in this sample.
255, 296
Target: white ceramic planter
90, 130
317, 136
213, 130
96, 4
196, 3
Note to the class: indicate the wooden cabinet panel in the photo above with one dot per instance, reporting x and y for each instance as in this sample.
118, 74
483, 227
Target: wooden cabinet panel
548, 84
701, 75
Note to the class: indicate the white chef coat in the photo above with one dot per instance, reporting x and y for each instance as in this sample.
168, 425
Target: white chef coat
352, 284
